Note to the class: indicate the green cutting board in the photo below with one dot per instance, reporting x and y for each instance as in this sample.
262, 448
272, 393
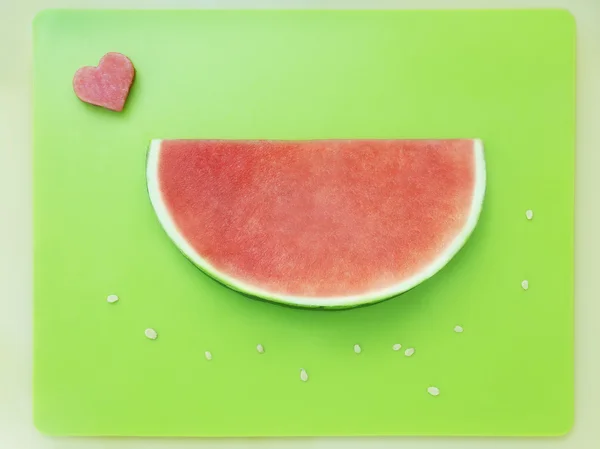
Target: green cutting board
506, 77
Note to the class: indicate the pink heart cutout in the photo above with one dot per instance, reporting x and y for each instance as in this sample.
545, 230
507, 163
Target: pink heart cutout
106, 85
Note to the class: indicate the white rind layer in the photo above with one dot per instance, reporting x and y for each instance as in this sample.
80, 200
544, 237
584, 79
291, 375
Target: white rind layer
316, 302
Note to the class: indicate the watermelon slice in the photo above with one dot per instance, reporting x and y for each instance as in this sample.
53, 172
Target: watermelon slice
318, 223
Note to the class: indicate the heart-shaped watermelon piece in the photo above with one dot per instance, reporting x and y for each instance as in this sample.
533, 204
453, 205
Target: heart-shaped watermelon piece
106, 85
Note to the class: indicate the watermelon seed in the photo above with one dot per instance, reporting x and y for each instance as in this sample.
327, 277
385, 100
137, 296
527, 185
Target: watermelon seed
529, 214
397, 347
525, 284
112, 298
151, 333
260, 349
357, 349
433, 391
409, 352
303, 375
458, 329
208, 355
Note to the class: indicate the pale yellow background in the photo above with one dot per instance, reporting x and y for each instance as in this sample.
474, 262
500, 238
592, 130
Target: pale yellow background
16, 428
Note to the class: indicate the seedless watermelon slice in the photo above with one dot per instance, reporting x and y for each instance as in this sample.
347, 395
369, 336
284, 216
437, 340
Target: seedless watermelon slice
321, 223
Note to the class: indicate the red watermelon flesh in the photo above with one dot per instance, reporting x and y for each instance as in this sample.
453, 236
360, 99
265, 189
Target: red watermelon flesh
106, 85
321, 222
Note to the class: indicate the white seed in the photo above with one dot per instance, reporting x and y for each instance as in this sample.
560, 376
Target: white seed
208, 355
397, 347
260, 349
525, 284
151, 333
303, 375
409, 352
529, 214
433, 391
112, 298
357, 349
458, 329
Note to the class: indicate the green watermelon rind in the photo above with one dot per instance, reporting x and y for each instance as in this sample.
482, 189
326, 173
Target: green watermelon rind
340, 302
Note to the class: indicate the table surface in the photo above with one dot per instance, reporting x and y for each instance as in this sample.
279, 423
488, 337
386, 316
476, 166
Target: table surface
16, 428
